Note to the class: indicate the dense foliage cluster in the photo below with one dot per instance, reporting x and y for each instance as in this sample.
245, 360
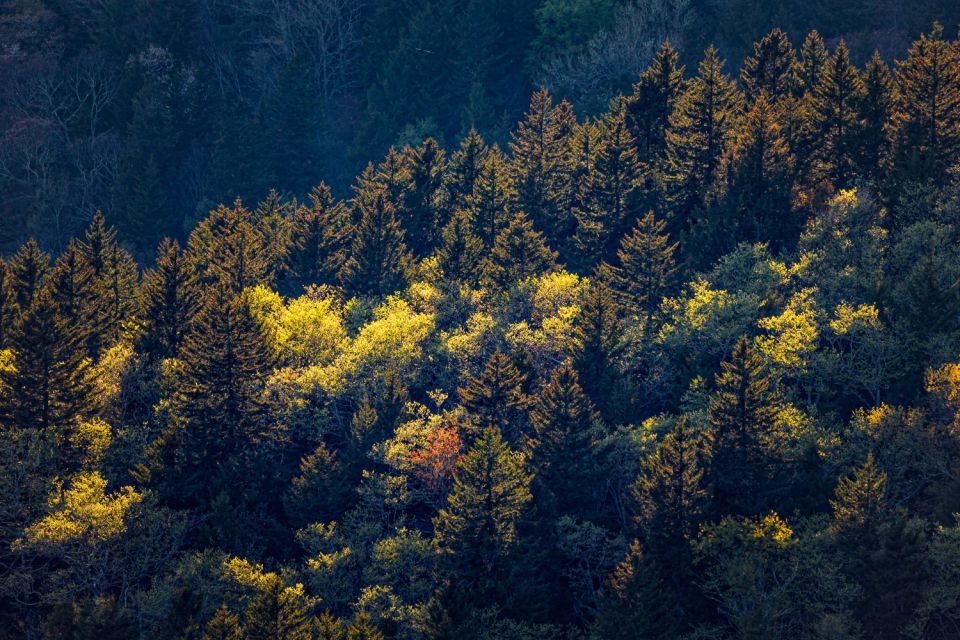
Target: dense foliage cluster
154, 111
686, 369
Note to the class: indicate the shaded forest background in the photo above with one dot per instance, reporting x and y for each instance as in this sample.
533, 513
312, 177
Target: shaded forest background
155, 111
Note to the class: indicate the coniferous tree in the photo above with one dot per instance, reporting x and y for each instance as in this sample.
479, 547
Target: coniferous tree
426, 207
647, 110
321, 235
609, 206
671, 492
562, 418
217, 408
168, 301
490, 201
50, 385
861, 500
478, 526
701, 127
464, 169
926, 118
770, 70
835, 103
518, 253
813, 62
596, 358
379, 262
742, 417
224, 625
29, 267
77, 294
228, 249
496, 397
876, 108
645, 267
461, 252
278, 613
9, 310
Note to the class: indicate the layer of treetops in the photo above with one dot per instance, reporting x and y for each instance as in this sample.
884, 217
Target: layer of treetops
687, 370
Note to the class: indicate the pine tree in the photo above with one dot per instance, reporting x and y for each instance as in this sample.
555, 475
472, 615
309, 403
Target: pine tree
926, 118
461, 253
491, 492
608, 206
361, 628
217, 408
227, 249
426, 207
328, 627
742, 417
813, 61
835, 102
464, 169
861, 500
563, 418
278, 613
636, 602
29, 267
77, 294
876, 109
770, 70
9, 310
224, 625
647, 110
50, 385
539, 160
496, 397
321, 233
490, 201
645, 268
671, 492
379, 262
518, 253
701, 127
596, 358
168, 301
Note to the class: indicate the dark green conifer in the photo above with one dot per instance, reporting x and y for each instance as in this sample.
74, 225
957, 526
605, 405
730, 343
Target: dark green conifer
496, 397
224, 625
464, 169
168, 301
647, 110
29, 267
835, 103
378, 263
461, 252
426, 206
645, 268
596, 358
321, 236
519, 252
876, 109
813, 61
9, 309
491, 198
228, 249
278, 613
770, 70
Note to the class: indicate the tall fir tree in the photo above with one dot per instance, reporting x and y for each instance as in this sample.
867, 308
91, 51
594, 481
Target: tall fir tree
770, 69
813, 62
645, 269
378, 262
224, 625
876, 109
461, 253
647, 110
228, 249
78, 294
609, 205
518, 253
29, 268
835, 109
278, 612
490, 202
742, 418
464, 169
426, 205
496, 397
169, 301
926, 118
321, 235
597, 353
701, 127
9, 309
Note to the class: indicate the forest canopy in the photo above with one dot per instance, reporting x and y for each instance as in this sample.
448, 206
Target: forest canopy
685, 366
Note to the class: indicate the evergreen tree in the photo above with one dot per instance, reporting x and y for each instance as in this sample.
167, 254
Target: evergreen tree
9, 310
77, 294
426, 207
227, 249
217, 408
224, 625
518, 253
860, 504
701, 127
464, 169
29, 267
835, 102
490, 201
599, 345
496, 397
608, 206
361, 628
813, 62
563, 418
876, 109
926, 118
461, 253
278, 613
636, 602
770, 70
742, 417
647, 110
379, 262
478, 526
50, 385
671, 491
645, 268
168, 301
321, 233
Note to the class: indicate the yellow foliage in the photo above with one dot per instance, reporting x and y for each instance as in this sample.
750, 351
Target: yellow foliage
848, 319
93, 437
305, 331
773, 527
793, 335
466, 344
248, 575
